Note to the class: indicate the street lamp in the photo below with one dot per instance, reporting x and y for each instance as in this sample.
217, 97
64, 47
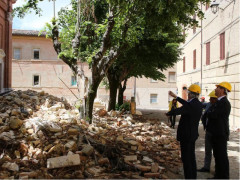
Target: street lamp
215, 5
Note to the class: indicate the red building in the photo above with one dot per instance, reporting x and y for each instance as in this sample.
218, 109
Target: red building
5, 44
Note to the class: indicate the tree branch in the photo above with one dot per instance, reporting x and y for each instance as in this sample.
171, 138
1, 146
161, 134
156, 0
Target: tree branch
106, 39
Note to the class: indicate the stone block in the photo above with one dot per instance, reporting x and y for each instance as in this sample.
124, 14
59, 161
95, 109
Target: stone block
130, 158
152, 175
11, 166
154, 168
63, 161
73, 131
147, 159
143, 168
87, 150
103, 161
15, 123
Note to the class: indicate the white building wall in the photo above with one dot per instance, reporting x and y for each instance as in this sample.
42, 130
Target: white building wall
143, 98
225, 20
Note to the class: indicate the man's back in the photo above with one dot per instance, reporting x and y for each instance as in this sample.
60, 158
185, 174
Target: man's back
218, 118
189, 121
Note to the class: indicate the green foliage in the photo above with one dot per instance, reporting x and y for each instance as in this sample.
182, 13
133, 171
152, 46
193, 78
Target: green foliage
30, 6
134, 20
125, 106
105, 83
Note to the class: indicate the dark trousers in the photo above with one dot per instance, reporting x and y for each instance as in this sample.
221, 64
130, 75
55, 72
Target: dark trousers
208, 150
189, 159
221, 157
172, 120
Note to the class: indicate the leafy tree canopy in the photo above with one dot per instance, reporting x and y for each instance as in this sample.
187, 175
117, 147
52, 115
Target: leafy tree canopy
100, 31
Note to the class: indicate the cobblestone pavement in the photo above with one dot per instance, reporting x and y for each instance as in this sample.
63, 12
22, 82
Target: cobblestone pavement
233, 148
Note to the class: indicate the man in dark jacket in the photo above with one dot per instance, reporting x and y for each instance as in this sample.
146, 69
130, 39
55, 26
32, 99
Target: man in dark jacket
187, 132
218, 126
208, 135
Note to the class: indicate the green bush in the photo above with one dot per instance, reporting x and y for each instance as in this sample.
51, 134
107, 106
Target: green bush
117, 107
125, 106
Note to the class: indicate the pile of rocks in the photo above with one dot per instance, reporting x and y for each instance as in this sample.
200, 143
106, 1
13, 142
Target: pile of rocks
41, 136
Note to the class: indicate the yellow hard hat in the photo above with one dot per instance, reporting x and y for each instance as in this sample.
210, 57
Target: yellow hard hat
212, 94
226, 85
195, 88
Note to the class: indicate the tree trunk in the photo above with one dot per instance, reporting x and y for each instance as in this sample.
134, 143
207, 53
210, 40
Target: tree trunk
113, 84
121, 90
91, 96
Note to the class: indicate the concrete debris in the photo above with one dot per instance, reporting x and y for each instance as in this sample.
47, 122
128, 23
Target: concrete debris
103, 161
143, 168
15, 123
139, 113
130, 158
152, 175
43, 137
147, 159
155, 167
87, 150
63, 161
7, 136
73, 131
11, 166
102, 112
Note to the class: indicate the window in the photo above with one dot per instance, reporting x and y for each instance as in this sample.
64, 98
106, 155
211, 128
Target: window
73, 81
36, 80
36, 53
153, 81
183, 64
222, 46
208, 53
17, 53
194, 59
194, 27
153, 98
207, 5
172, 77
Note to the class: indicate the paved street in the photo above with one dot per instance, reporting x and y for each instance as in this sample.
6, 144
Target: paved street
233, 148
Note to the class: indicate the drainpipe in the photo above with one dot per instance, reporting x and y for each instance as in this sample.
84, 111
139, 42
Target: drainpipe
234, 92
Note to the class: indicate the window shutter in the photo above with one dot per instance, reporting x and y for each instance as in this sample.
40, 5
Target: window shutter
194, 59
222, 46
208, 53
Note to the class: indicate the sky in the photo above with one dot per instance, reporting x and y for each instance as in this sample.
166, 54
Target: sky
34, 22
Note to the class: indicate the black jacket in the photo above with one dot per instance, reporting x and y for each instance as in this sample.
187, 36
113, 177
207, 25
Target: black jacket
204, 116
190, 116
218, 118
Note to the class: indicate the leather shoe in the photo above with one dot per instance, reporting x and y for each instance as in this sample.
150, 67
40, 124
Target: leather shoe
203, 170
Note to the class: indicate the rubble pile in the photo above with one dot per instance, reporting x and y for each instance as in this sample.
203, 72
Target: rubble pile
42, 137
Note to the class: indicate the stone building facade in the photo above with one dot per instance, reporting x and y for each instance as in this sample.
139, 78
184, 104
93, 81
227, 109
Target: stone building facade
36, 66
5, 44
211, 55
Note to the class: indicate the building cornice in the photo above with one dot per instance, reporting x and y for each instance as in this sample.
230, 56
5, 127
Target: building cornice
189, 72
32, 33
